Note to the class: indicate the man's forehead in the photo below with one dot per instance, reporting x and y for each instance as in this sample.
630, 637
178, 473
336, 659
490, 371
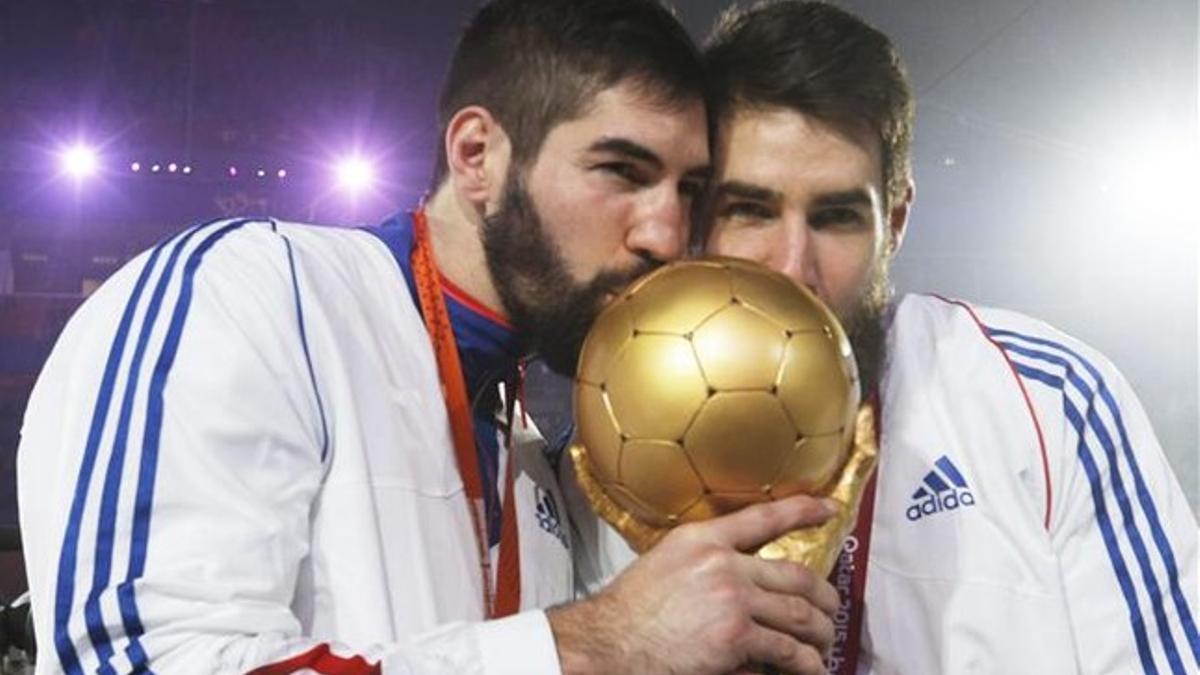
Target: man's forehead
675, 131
782, 146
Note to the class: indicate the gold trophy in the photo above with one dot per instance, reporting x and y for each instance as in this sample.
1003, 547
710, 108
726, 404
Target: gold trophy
713, 384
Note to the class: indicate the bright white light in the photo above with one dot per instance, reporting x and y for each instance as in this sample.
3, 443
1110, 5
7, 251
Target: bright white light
355, 174
136, 166
156, 168
187, 168
1153, 175
260, 173
172, 167
233, 171
1146, 176
282, 173
79, 161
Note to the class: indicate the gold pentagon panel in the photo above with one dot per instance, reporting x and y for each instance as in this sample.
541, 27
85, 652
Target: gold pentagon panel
812, 465
791, 306
655, 387
814, 385
676, 298
659, 475
740, 441
739, 349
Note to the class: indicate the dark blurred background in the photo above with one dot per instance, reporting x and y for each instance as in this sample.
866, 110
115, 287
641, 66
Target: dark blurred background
1056, 158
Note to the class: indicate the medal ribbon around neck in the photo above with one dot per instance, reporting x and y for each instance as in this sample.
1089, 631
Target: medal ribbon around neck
507, 597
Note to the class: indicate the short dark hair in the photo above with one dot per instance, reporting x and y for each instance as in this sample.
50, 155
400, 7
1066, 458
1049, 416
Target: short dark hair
534, 64
820, 61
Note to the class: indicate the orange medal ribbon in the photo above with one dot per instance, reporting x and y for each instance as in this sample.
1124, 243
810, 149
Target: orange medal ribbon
507, 597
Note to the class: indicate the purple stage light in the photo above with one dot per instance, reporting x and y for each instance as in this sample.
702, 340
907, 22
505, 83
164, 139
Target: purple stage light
79, 161
354, 174
233, 171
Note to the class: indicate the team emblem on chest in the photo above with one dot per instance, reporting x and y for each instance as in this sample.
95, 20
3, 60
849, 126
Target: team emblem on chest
943, 489
547, 515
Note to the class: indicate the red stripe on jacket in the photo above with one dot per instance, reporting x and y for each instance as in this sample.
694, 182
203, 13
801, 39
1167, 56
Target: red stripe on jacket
321, 660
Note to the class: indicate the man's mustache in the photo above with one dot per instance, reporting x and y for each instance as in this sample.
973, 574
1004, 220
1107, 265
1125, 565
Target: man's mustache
616, 281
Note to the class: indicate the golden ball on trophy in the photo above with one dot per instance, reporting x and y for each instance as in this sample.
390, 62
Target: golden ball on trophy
710, 385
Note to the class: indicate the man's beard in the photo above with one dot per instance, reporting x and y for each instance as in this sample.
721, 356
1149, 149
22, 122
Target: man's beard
866, 327
550, 310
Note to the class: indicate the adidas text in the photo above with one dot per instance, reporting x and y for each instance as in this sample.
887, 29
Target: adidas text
937, 502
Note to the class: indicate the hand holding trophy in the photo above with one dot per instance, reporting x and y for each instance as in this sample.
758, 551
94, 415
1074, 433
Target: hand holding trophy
713, 384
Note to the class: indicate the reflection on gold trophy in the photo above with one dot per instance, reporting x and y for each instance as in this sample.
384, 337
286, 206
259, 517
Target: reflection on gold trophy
713, 384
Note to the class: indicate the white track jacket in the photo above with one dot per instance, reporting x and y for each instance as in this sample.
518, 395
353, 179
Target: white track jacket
238, 456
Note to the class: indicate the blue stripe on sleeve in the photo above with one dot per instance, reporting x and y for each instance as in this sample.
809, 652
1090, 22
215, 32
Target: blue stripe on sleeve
65, 583
1122, 498
1145, 499
312, 376
144, 496
1124, 581
116, 468
1110, 541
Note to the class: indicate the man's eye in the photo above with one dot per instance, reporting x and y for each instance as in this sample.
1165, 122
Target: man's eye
747, 211
626, 172
838, 217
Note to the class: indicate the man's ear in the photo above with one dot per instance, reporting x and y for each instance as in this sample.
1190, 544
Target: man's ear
898, 220
478, 153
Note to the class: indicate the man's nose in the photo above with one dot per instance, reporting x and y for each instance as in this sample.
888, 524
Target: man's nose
793, 256
661, 228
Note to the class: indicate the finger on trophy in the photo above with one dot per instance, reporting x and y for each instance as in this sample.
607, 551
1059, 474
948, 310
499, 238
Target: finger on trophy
639, 535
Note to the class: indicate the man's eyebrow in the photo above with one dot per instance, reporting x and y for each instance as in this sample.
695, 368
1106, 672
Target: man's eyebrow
628, 148
749, 191
854, 197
